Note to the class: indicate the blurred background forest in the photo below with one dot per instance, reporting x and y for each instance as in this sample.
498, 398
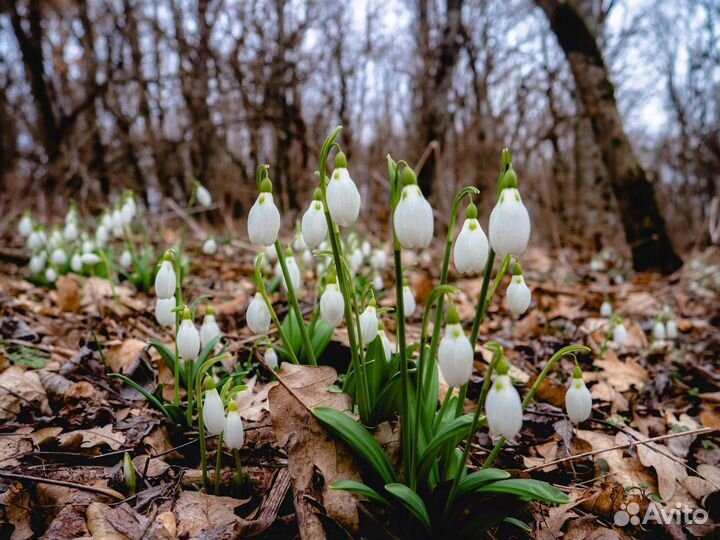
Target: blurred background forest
611, 108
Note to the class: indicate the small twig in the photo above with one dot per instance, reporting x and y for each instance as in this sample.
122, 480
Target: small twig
92, 489
700, 431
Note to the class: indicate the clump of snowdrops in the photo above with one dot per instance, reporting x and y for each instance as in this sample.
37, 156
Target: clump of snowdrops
434, 485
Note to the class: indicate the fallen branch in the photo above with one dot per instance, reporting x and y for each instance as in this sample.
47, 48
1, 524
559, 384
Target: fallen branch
82, 487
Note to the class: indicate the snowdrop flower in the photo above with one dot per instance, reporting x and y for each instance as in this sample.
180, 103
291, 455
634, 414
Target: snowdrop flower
76, 263
413, 215
455, 353
128, 210
671, 329
126, 259
37, 262
503, 408
470, 251
209, 329
606, 309
101, 236
578, 400
409, 304
50, 274
314, 225
164, 314
298, 243
620, 335
343, 197
306, 258
58, 257
25, 226
117, 223
213, 410
234, 434
36, 240
209, 246
517, 294
271, 253
264, 217
658, 331
355, 260
293, 272
509, 220
106, 221
71, 215
378, 260
332, 303
271, 358
369, 323
56, 239
202, 195
91, 259
258, 315
365, 249
378, 283
387, 346
165, 279
87, 246
188, 338
71, 231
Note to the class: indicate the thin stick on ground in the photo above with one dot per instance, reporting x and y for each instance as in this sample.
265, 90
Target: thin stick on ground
82, 487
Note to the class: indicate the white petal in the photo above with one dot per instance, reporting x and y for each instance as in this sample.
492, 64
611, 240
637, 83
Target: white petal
409, 305
413, 219
368, 325
455, 356
518, 295
163, 311
188, 340
213, 412
509, 224
343, 198
314, 225
165, 280
263, 221
578, 401
234, 435
503, 408
471, 248
271, 358
258, 316
332, 305
209, 330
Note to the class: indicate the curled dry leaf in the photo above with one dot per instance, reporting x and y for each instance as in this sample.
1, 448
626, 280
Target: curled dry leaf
199, 513
20, 387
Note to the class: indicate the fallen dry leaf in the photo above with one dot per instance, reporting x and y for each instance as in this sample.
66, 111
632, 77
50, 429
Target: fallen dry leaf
89, 438
200, 513
621, 375
67, 294
20, 387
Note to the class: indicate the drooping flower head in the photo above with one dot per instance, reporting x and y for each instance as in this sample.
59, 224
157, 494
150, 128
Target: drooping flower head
518, 294
209, 246
264, 217
470, 251
606, 309
342, 195
258, 315
209, 329
509, 221
234, 434
658, 331
25, 225
293, 271
620, 334
413, 215
578, 400
188, 338
503, 407
332, 303
455, 353
213, 411
164, 314
202, 195
165, 279
314, 225
369, 323
271, 358
409, 304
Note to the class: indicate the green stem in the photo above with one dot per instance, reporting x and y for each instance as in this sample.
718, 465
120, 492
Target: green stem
178, 317
201, 431
407, 439
188, 377
295, 304
218, 464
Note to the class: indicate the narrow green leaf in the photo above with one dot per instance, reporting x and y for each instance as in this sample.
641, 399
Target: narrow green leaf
412, 501
479, 478
167, 355
526, 490
447, 435
360, 489
519, 524
358, 438
147, 395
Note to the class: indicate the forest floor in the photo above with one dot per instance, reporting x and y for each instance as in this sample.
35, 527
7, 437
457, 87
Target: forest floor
65, 425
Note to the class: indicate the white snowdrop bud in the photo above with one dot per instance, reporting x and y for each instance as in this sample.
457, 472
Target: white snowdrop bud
332, 304
37, 262
76, 263
413, 215
503, 407
306, 258
126, 259
165, 279
365, 249
213, 411
378, 283
50, 274
264, 217
387, 346
164, 314
71, 232
36, 240
293, 272
298, 242
409, 305
343, 197
620, 335
271, 253
509, 220
209, 246
202, 195
470, 251
128, 212
369, 324
106, 220
188, 338
606, 309
25, 226
234, 434
378, 260
71, 215
209, 329
271, 358
314, 225
355, 260
258, 315
658, 331
88, 246
58, 257
91, 259
117, 223
518, 294
455, 353
671, 329
55, 240
578, 400
101, 236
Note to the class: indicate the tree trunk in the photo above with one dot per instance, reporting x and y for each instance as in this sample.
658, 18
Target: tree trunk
644, 226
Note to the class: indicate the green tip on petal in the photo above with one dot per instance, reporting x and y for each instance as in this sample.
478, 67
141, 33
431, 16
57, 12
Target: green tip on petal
372, 302
186, 314
472, 211
406, 283
317, 195
577, 373
232, 406
209, 310
331, 276
502, 367
208, 383
169, 255
517, 270
452, 316
340, 160
266, 186
409, 177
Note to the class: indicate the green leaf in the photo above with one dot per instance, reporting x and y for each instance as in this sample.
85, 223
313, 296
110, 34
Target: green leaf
167, 355
412, 501
376, 368
519, 524
27, 357
203, 356
479, 478
320, 336
447, 435
360, 489
291, 329
388, 400
358, 438
526, 490
147, 395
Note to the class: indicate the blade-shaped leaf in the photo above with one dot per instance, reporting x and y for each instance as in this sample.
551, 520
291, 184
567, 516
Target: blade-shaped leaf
360, 489
526, 490
448, 434
479, 478
412, 501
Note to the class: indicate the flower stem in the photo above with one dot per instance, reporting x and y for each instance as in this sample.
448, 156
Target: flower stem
178, 317
218, 463
201, 431
295, 305
407, 439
